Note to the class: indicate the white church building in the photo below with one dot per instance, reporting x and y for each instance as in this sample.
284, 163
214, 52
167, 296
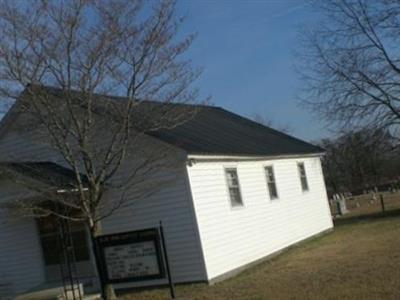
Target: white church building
242, 193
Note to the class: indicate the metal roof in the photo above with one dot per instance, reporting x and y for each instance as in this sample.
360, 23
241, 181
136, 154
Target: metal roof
216, 131
209, 130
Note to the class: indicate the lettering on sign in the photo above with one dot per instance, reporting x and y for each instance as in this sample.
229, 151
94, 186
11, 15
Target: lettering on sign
132, 256
131, 260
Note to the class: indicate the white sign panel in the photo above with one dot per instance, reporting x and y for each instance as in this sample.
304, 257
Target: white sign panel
131, 260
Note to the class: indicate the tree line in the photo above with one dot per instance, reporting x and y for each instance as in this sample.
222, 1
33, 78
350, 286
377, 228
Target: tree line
350, 67
360, 161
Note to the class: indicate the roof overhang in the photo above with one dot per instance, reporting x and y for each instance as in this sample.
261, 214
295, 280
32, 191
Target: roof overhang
195, 158
42, 177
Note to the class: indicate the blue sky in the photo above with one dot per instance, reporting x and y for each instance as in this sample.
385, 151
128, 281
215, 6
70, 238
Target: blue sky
246, 49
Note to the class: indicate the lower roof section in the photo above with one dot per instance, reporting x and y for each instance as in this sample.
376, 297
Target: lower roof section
46, 172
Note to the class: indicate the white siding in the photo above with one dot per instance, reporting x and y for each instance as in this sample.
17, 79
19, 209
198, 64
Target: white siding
21, 262
234, 237
173, 206
21, 265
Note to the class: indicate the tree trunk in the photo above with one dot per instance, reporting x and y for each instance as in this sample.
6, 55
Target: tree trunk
107, 290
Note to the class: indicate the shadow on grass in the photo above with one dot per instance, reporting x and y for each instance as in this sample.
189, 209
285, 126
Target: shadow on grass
368, 217
158, 287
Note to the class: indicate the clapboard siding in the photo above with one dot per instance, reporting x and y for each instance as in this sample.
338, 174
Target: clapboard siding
233, 237
21, 265
173, 206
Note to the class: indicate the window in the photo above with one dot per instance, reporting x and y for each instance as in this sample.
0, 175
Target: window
303, 176
269, 173
50, 241
233, 187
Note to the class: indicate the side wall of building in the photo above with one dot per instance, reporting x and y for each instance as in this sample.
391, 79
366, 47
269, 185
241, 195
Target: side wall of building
21, 261
234, 237
171, 204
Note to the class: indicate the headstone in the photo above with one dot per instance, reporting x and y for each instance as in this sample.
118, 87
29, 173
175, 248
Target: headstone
340, 201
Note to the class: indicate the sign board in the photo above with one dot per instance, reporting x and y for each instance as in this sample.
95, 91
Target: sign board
131, 256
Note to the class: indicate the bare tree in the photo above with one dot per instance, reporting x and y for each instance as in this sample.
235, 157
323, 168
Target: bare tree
359, 160
351, 64
88, 49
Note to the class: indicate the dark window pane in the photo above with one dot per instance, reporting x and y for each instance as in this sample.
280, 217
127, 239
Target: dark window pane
236, 200
50, 248
303, 176
80, 245
47, 225
304, 183
49, 238
233, 186
273, 192
232, 178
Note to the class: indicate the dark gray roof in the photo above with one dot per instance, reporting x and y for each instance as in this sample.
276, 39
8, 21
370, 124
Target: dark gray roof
210, 130
216, 131
48, 173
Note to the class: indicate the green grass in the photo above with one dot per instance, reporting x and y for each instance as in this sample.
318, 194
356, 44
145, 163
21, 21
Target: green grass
359, 260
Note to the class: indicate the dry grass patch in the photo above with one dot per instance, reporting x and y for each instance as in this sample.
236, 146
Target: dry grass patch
357, 261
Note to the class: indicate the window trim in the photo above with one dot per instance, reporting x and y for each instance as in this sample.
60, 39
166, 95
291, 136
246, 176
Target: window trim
267, 182
301, 163
239, 206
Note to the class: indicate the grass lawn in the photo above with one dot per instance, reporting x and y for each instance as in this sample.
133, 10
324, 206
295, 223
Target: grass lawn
359, 260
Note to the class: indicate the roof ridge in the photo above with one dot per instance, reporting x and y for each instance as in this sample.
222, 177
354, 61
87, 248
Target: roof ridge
272, 130
116, 97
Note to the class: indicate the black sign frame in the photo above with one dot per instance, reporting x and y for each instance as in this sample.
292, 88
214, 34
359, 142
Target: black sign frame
131, 237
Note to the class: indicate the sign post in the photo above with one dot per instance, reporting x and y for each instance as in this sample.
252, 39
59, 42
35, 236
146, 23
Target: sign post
382, 202
170, 280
